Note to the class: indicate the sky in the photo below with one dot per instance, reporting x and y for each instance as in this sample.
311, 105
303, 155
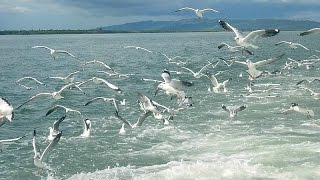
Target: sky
89, 14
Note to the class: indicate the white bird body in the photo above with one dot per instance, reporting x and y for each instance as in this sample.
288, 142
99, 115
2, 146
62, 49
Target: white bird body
54, 53
245, 41
148, 105
198, 12
86, 128
6, 111
216, 86
54, 130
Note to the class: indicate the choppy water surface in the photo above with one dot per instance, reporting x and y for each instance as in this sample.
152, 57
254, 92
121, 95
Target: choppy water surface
200, 143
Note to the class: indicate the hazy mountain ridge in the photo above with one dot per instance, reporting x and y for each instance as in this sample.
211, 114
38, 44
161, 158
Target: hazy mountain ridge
212, 25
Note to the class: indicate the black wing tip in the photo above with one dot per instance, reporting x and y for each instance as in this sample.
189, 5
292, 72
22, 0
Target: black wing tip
166, 71
5, 100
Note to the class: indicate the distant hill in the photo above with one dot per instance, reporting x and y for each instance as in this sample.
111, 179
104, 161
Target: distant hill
210, 25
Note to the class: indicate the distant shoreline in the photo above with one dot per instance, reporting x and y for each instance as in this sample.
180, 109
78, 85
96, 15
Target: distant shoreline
48, 32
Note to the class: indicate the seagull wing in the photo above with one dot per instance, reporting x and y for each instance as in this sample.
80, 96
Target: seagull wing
72, 74
12, 140
34, 144
112, 86
65, 87
268, 61
57, 123
49, 148
185, 8
105, 65
262, 33
302, 46
213, 79
281, 42
228, 27
240, 108
152, 80
188, 70
205, 67
51, 110
223, 45
45, 47
142, 118
65, 52
166, 76
165, 56
34, 97
225, 108
310, 31
209, 9
95, 99
123, 120
241, 62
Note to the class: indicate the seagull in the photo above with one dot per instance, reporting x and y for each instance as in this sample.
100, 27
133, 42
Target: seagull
295, 107
310, 31
40, 157
252, 71
292, 45
105, 99
198, 12
137, 47
103, 81
199, 73
54, 95
244, 41
138, 123
148, 105
32, 78
314, 94
171, 59
100, 62
86, 128
68, 79
216, 85
54, 130
122, 130
4, 143
305, 80
54, 53
233, 112
66, 110
6, 111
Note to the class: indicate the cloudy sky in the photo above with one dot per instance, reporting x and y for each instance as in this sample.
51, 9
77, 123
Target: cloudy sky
86, 14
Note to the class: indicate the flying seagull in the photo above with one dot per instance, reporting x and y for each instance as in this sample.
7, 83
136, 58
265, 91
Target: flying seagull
233, 112
54, 130
40, 157
303, 110
292, 45
252, 71
101, 63
54, 53
68, 79
137, 47
105, 99
310, 31
32, 78
216, 85
245, 41
66, 110
305, 80
139, 121
198, 12
197, 74
6, 111
54, 95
